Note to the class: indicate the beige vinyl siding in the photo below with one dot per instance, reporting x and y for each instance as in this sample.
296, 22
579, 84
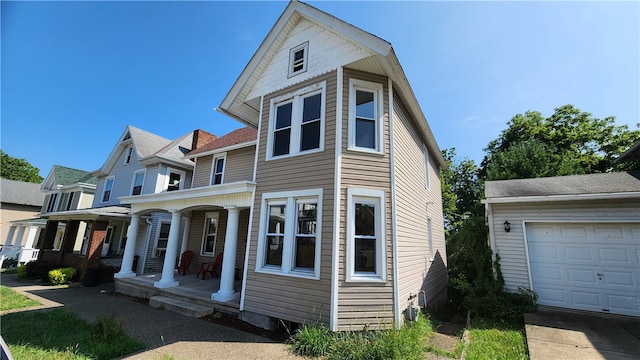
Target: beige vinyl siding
239, 165
202, 173
359, 303
415, 203
196, 235
510, 245
280, 296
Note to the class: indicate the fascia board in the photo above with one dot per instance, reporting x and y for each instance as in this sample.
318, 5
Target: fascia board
547, 198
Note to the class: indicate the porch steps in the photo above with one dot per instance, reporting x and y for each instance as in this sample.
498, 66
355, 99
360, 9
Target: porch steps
180, 306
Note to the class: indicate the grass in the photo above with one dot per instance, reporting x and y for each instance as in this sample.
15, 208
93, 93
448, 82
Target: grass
496, 341
410, 342
11, 300
46, 335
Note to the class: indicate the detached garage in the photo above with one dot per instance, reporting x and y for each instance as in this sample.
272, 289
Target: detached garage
574, 240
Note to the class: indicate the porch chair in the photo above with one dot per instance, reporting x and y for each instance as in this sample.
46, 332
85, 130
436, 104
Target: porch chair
213, 268
185, 261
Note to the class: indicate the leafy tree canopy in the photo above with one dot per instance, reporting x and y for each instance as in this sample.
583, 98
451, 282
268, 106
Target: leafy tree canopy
568, 142
18, 169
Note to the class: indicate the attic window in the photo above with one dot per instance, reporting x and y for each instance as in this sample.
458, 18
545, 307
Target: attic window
126, 137
298, 59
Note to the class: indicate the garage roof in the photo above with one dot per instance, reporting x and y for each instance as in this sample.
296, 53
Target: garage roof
574, 185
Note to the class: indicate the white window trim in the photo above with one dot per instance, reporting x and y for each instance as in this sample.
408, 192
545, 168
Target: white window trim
289, 198
104, 188
210, 215
305, 59
222, 156
378, 89
128, 155
355, 194
427, 166
155, 245
133, 181
296, 120
183, 178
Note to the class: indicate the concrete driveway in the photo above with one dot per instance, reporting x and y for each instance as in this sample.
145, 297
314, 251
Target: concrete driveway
565, 334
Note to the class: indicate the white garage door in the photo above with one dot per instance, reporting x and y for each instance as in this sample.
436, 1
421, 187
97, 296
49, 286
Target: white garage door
593, 267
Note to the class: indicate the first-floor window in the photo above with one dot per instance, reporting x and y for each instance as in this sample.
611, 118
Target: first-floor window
366, 255
210, 234
163, 239
289, 233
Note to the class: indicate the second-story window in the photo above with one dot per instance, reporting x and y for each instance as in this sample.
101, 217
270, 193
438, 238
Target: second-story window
108, 187
297, 122
52, 202
218, 171
365, 116
176, 180
69, 201
138, 182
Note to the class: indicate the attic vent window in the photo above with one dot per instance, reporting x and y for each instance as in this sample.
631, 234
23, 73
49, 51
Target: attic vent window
126, 137
298, 59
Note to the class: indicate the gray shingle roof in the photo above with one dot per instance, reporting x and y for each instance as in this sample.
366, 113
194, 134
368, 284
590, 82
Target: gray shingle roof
67, 176
619, 182
147, 143
21, 193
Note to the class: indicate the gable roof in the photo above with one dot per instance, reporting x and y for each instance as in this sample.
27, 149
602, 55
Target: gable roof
384, 61
238, 138
62, 176
146, 144
20, 193
618, 184
172, 153
633, 154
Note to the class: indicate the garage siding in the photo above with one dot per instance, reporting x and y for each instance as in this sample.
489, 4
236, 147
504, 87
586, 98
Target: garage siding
511, 246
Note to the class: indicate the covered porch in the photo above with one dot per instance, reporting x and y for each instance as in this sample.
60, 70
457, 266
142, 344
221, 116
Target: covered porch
207, 221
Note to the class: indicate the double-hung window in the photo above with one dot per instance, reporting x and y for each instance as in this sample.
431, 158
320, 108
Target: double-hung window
51, 206
217, 172
210, 234
138, 182
176, 179
163, 239
108, 187
366, 244
366, 116
289, 239
297, 122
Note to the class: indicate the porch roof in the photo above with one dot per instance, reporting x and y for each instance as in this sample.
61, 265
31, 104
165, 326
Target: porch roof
91, 214
236, 194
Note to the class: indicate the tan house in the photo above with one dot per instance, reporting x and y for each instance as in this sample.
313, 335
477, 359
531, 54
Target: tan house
327, 205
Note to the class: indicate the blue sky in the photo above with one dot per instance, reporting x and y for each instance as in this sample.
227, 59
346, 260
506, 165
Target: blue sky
74, 74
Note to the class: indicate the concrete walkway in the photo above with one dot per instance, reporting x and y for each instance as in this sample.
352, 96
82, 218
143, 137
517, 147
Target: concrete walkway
559, 334
166, 333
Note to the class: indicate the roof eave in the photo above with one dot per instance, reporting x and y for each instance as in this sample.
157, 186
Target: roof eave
562, 197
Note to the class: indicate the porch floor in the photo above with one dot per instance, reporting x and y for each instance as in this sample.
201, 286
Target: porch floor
190, 289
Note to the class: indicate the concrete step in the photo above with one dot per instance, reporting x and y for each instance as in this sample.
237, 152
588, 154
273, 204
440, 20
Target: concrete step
180, 306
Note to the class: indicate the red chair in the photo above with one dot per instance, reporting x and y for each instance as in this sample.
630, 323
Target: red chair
185, 261
213, 268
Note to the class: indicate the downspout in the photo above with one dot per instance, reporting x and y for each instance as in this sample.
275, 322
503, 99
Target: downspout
337, 193
251, 209
394, 220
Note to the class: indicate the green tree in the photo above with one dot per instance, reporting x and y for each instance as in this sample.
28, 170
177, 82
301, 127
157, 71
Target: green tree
18, 169
568, 142
462, 190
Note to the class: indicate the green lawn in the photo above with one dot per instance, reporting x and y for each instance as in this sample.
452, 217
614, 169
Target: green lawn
60, 335
10, 299
496, 341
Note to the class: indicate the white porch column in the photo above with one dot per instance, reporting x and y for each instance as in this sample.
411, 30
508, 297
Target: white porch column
31, 237
227, 277
129, 249
185, 234
10, 234
19, 235
169, 266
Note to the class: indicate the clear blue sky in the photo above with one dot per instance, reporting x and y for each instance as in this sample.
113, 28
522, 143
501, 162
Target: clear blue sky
74, 74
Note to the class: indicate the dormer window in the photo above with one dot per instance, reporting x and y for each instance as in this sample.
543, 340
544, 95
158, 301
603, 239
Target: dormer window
298, 59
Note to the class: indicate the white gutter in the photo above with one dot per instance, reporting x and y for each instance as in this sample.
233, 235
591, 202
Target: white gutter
581, 197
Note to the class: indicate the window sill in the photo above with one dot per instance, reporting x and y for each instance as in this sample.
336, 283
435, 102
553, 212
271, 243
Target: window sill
295, 274
365, 279
287, 156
